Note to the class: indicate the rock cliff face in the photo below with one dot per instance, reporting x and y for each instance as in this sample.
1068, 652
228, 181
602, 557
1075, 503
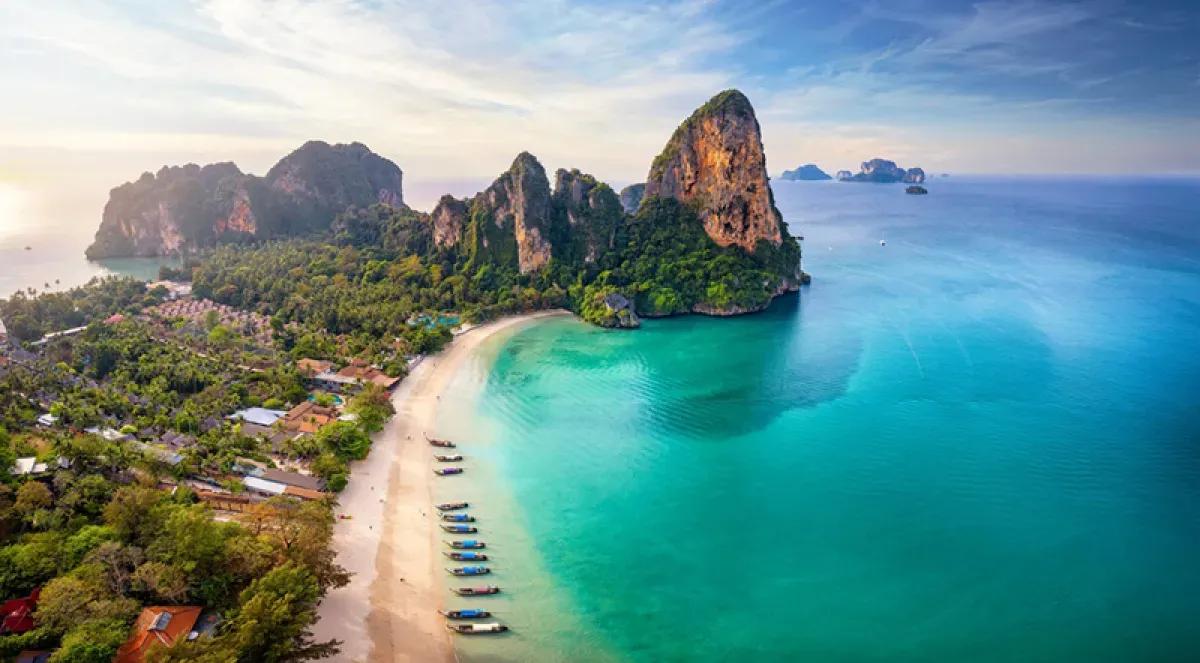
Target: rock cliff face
587, 214
449, 220
510, 220
715, 162
631, 197
806, 173
181, 209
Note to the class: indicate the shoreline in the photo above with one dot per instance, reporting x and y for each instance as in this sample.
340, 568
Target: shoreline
388, 611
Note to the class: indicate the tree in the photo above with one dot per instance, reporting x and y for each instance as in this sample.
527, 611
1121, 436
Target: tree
134, 513
272, 622
94, 641
373, 405
346, 439
32, 497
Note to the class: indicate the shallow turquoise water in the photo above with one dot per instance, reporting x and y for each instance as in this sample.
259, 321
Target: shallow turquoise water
980, 442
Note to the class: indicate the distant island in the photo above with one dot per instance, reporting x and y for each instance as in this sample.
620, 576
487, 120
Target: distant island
806, 173
574, 244
882, 171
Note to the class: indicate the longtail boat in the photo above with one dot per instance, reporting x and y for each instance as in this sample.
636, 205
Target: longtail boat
458, 518
466, 556
435, 442
472, 613
452, 458
477, 629
469, 544
448, 471
469, 571
476, 591
460, 529
452, 506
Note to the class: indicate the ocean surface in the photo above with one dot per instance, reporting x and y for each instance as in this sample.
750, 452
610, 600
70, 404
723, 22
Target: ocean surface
980, 442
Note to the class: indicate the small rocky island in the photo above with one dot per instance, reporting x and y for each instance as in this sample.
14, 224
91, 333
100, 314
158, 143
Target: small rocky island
882, 171
806, 173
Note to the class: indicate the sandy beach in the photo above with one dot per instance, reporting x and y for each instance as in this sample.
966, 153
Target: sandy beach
388, 612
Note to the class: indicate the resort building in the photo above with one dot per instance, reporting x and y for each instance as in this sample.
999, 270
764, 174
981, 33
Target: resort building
313, 367
16, 615
308, 417
163, 626
258, 416
3, 334
175, 290
28, 466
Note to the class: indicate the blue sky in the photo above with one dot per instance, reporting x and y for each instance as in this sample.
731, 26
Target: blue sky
453, 90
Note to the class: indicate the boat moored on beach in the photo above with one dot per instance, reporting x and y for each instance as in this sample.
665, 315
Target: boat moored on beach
476, 591
435, 442
477, 629
448, 471
452, 506
451, 458
460, 529
458, 518
466, 556
469, 571
469, 544
471, 613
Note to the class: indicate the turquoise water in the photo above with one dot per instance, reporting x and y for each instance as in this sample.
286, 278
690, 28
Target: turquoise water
980, 442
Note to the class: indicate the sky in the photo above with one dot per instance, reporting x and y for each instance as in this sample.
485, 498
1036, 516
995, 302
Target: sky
95, 93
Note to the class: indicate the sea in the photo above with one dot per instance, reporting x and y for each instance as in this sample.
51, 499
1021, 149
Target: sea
974, 437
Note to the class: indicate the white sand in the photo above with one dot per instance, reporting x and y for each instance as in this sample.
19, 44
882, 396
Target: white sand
388, 612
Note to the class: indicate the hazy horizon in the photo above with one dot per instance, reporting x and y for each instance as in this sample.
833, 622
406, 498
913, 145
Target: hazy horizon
451, 93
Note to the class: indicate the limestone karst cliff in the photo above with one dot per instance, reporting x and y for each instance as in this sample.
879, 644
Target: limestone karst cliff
184, 208
715, 162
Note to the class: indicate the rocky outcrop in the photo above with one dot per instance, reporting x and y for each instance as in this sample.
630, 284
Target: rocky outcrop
631, 197
715, 163
510, 220
844, 176
916, 190
587, 215
806, 173
884, 171
185, 208
449, 220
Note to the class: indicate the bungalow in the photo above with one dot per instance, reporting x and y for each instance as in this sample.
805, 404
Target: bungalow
159, 626
46, 420
174, 289
16, 615
258, 415
276, 437
28, 466
269, 488
308, 417
311, 367
296, 479
361, 373
165, 455
109, 434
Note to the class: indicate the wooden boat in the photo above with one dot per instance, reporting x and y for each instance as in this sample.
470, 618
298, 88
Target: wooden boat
458, 518
452, 506
469, 544
477, 629
472, 613
460, 529
466, 556
469, 571
447, 471
452, 458
435, 442
476, 591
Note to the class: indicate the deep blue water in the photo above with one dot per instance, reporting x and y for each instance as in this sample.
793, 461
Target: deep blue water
978, 442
